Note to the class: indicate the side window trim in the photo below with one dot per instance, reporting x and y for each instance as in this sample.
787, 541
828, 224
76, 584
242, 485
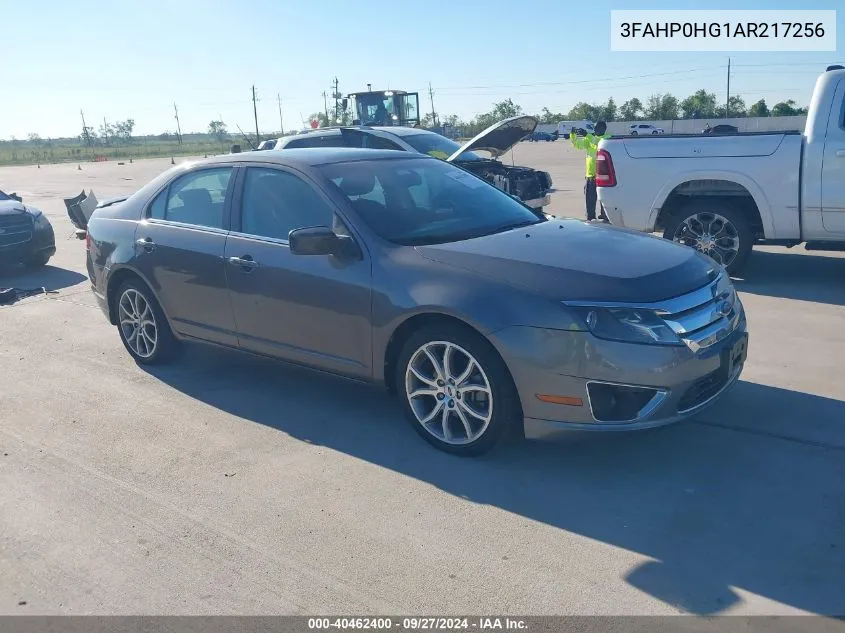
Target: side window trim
236, 226
227, 205
237, 206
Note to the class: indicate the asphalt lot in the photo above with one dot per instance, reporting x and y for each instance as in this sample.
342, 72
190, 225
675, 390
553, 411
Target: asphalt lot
226, 484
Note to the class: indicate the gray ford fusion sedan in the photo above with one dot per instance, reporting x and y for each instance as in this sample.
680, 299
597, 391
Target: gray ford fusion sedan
485, 317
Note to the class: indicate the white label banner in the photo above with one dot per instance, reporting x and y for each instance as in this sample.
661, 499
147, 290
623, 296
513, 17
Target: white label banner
723, 30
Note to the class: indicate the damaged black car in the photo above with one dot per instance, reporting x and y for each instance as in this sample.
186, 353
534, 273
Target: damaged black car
26, 235
531, 186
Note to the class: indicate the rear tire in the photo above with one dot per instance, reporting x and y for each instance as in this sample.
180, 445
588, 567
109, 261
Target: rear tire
634, 133
722, 227
143, 328
466, 401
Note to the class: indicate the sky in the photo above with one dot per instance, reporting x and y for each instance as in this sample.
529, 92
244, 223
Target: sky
128, 59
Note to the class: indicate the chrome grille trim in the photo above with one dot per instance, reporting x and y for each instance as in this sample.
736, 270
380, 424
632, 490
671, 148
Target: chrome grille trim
700, 318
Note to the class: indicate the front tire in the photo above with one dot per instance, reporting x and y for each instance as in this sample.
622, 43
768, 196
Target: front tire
455, 390
39, 260
143, 328
716, 229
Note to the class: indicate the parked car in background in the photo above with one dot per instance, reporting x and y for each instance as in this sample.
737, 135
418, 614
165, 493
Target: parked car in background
532, 186
722, 128
541, 136
26, 235
401, 270
581, 128
637, 129
722, 195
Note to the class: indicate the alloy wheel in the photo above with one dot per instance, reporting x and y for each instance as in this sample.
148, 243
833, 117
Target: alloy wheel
137, 323
711, 234
449, 393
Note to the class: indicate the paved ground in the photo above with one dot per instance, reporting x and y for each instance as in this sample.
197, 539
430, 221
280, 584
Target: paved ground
229, 485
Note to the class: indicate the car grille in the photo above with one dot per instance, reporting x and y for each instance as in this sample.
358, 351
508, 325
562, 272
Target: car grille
15, 229
704, 317
702, 390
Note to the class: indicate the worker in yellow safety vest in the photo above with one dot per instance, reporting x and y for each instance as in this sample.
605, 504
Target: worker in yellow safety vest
590, 143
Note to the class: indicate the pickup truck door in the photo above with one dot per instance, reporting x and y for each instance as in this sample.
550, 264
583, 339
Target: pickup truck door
833, 166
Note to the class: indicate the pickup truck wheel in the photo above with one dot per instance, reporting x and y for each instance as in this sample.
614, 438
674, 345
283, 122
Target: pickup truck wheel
718, 230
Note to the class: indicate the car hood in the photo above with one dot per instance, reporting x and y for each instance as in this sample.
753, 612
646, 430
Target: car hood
572, 261
499, 137
12, 207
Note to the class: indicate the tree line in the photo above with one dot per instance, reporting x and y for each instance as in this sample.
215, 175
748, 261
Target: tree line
657, 107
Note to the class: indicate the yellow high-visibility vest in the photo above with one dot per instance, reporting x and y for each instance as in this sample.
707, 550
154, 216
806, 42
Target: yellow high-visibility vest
590, 144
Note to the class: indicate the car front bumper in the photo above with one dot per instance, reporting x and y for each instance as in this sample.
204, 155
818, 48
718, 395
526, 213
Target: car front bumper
562, 364
539, 203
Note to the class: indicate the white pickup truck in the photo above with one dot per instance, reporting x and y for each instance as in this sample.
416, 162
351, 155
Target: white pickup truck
723, 194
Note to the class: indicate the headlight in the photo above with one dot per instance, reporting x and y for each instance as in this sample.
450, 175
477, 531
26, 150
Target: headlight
725, 289
628, 325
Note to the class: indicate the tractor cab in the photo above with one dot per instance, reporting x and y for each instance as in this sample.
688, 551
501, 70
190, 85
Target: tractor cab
387, 107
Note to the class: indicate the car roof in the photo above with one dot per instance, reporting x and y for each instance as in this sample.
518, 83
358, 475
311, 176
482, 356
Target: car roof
310, 156
397, 130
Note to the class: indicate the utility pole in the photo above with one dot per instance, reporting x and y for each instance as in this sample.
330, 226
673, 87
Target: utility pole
178, 125
433, 114
281, 122
86, 135
336, 95
326, 106
728, 102
255, 114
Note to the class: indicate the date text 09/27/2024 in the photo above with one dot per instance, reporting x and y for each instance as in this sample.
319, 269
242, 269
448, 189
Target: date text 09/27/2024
419, 624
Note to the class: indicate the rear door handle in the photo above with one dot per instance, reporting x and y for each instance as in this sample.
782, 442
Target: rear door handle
246, 262
146, 243
840, 153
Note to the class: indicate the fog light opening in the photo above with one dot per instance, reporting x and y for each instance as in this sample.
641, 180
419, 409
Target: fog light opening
622, 403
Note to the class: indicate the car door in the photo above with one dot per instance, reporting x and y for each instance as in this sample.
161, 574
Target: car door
833, 166
309, 309
179, 250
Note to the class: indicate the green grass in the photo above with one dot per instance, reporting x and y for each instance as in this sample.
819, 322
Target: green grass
26, 153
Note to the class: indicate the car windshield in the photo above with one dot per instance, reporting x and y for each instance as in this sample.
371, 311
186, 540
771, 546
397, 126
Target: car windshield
421, 201
437, 146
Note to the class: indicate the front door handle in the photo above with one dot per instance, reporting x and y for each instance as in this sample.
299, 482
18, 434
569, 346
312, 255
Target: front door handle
246, 262
146, 243
840, 153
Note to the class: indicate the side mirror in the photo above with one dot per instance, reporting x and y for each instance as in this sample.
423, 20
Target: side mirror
320, 240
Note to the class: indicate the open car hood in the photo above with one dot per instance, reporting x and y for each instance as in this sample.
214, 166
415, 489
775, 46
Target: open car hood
499, 137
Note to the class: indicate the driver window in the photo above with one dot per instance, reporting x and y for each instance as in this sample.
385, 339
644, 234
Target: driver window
276, 202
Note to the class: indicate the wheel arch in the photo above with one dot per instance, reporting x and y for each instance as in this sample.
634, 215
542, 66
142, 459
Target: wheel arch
413, 323
745, 194
116, 278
